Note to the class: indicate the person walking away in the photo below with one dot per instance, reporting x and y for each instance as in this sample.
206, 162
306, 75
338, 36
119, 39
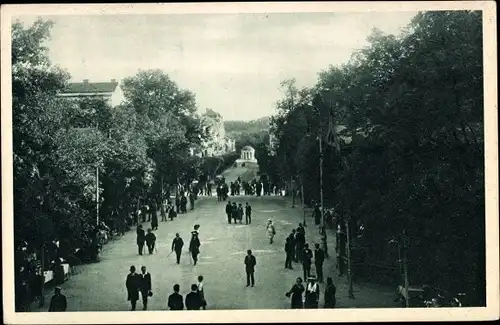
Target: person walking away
300, 241
270, 230
234, 212
293, 245
145, 287
175, 301
191, 200
231, 186
229, 209
250, 262
240, 213
306, 260
141, 238
312, 293
150, 241
317, 215
194, 247
319, 258
324, 245
177, 245
58, 302
132, 285
154, 217
288, 253
171, 213
183, 203
296, 292
177, 203
248, 214
193, 301
201, 292
219, 192
330, 291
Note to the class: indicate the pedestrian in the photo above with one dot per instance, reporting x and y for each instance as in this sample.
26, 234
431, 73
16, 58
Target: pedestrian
229, 209
145, 287
312, 293
240, 213
248, 213
219, 193
288, 254
300, 241
58, 302
177, 245
154, 217
171, 213
175, 301
293, 245
306, 260
193, 301
201, 292
232, 188
296, 292
234, 212
132, 285
150, 241
191, 200
141, 238
177, 203
319, 258
317, 215
183, 203
330, 291
270, 230
250, 262
194, 246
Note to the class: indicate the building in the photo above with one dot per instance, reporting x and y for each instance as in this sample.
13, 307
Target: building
109, 91
217, 143
247, 155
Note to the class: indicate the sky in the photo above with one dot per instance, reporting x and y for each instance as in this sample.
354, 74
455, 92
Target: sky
234, 63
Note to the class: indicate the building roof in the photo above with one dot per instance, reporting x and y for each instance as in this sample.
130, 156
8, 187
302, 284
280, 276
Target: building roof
212, 113
248, 148
90, 87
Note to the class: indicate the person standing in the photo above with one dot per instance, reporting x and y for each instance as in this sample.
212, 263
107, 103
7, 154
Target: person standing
58, 302
171, 212
150, 241
288, 253
300, 241
240, 213
296, 293
234, 212
177, 245
191, 200
229, 209
306, 260
248, 213
201, 292
145, 287
193, 301
293, 245
141, 238
154, 217
177, 203
183, 203
250, 262
194, 246
132, 285
319, 258
312, 293
175, 299
330, 291
270, 230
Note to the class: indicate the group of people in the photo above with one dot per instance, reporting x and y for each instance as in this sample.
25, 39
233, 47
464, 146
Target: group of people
195, 300
235, 212
308, 296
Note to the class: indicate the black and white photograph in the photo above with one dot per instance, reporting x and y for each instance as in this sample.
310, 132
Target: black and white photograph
244, 159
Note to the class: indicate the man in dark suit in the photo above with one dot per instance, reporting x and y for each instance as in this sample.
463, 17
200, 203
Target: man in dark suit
145, 287
175, 299
193, 300
58, 302
229, 209
248, 214
250, 263
306, 260
194, 246
319, 258
132, 285
177, 245
141, 238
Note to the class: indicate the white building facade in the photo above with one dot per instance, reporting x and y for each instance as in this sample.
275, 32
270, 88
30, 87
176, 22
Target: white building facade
109, 91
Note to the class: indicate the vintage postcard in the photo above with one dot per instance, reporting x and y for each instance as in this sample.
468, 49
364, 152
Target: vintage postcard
249, 162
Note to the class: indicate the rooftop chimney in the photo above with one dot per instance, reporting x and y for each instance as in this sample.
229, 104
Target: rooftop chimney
85, 81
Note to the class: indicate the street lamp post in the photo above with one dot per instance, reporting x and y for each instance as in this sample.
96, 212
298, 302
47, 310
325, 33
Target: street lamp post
349, 266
